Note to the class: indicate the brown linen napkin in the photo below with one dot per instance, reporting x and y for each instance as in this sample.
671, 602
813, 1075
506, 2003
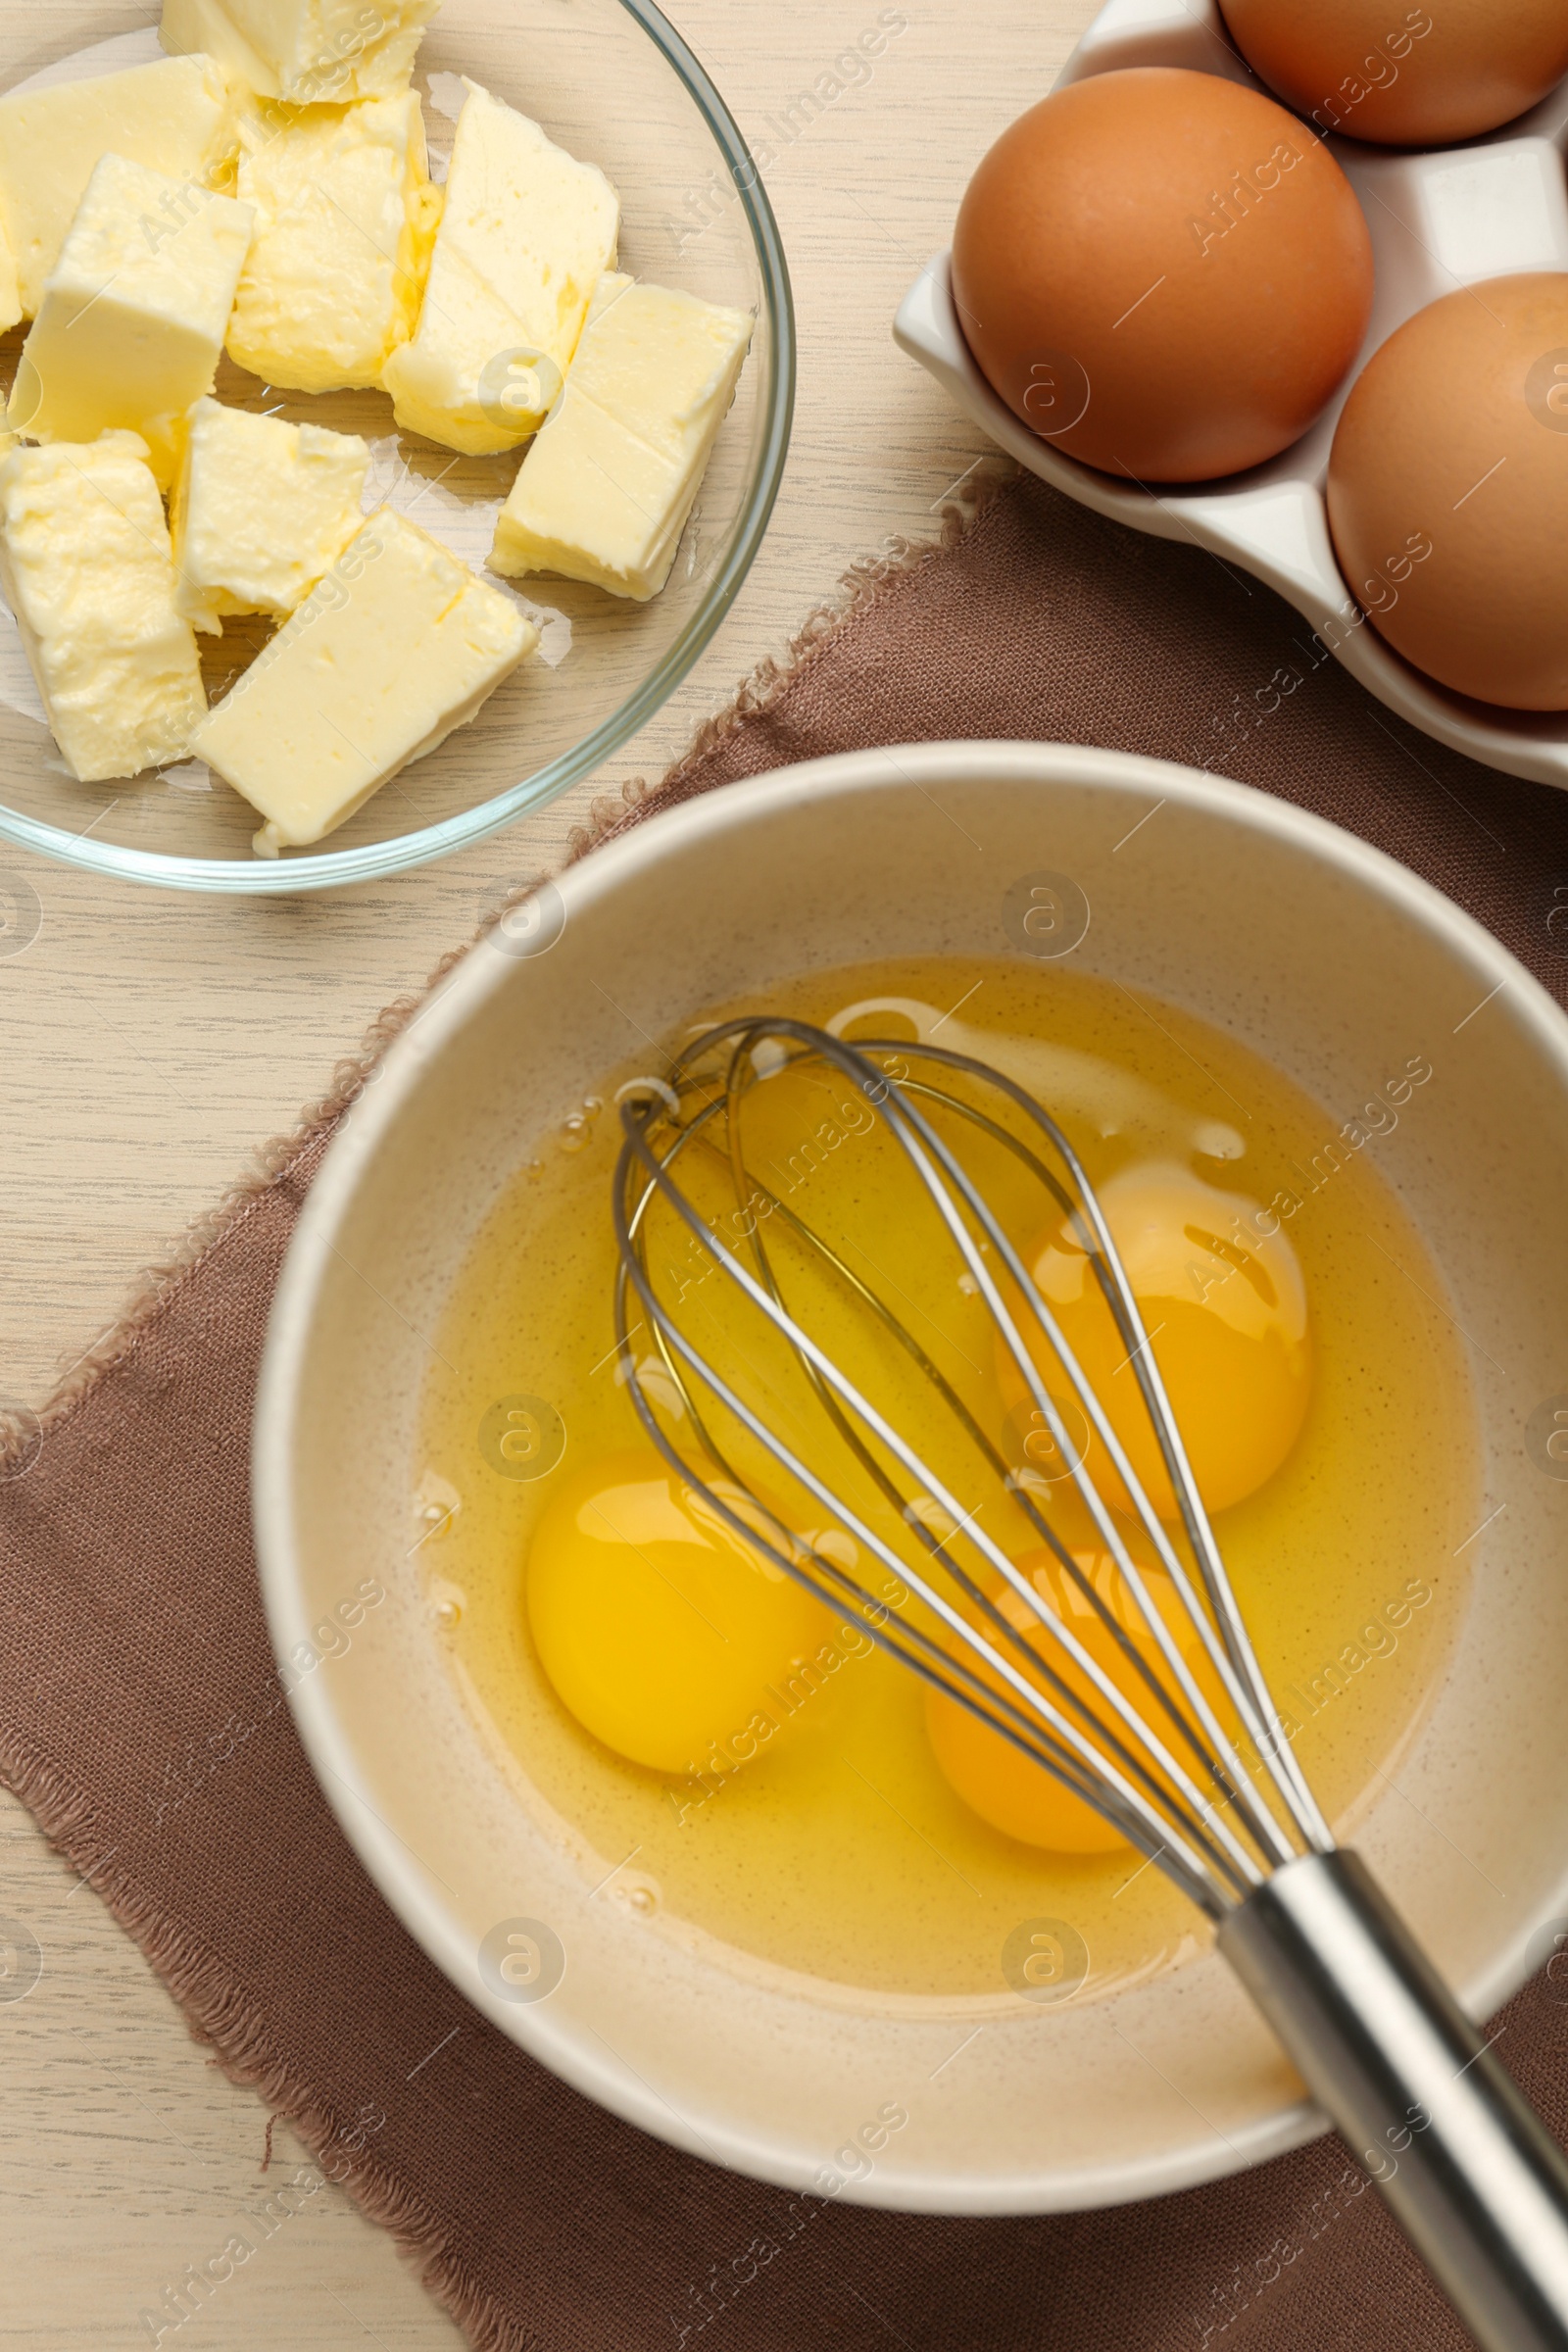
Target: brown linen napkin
144, 1726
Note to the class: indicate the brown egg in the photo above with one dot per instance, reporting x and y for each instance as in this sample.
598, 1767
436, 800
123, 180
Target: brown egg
1163, 272
1404, 76
1448, 488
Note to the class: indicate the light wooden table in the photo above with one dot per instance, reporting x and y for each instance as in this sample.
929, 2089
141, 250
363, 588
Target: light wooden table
152, 1041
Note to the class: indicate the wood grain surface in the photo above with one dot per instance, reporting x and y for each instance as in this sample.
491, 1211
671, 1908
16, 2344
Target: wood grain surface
151, 1041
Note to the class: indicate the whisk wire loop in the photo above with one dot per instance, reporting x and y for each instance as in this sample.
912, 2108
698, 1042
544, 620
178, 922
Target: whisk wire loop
1089, 1756
1096, 1740
1137, 1663
1253, 1701
1106, 1526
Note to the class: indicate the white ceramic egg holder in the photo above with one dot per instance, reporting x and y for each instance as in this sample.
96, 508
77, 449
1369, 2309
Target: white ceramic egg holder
1438, 220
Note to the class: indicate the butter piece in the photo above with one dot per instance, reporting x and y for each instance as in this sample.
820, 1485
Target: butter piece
9, 284
306, 51
131, 324
345, 219
399, 645
526, 233
262, 510
603, 492
88, 571
177, 115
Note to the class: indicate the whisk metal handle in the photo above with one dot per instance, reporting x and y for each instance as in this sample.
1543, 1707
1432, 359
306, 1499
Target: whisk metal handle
1463, 2163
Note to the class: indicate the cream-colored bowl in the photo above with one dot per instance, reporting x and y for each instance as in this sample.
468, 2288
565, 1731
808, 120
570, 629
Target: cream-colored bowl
1312, 949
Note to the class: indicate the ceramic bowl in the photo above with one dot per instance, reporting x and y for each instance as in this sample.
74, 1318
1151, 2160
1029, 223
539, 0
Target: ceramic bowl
614, 82
1308, 946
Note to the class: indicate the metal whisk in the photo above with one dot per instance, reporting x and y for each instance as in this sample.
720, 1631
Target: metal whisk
1194, 1769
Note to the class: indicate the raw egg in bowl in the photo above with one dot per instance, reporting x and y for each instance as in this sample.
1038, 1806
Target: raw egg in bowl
761, 1894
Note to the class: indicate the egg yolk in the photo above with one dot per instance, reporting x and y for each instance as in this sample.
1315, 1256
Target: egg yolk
995, 1778
658, 1625
1220, 1291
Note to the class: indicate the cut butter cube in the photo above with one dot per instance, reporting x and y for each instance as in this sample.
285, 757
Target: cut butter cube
399, 645
177, 115
90, 574
603, 492
131, 324
525, 235
262, 510
308, 51
345, 219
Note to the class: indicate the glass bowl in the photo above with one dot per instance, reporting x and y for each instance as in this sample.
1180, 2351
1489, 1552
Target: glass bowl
614, 82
